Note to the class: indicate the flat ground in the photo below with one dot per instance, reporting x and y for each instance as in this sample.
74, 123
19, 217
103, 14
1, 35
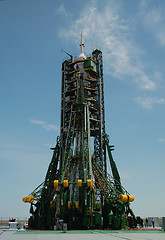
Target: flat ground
82, 235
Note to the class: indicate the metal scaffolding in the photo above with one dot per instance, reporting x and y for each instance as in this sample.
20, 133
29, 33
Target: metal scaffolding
77, 189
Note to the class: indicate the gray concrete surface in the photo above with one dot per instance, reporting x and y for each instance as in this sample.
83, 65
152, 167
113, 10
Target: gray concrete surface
13, 235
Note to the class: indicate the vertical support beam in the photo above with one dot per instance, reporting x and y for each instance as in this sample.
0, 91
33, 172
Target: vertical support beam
87, 132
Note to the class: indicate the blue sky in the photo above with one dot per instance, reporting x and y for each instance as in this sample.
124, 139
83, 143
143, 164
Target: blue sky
131, 35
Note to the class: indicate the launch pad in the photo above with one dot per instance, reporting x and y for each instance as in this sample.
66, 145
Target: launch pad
78, 190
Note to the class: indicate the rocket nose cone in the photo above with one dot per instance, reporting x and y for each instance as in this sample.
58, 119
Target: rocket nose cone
81, 56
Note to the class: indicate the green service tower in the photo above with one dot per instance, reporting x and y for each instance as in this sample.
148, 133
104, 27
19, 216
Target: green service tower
78, 190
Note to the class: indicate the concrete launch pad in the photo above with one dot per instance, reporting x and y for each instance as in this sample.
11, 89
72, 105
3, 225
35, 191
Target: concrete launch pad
82, 235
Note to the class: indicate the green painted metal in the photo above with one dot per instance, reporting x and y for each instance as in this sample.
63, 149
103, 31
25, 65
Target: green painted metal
42, 214
66, 163
80, 154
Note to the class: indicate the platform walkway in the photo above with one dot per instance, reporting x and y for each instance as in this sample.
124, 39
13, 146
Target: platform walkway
82, 235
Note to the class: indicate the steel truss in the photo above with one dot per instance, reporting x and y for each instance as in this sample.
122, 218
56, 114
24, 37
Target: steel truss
77, 189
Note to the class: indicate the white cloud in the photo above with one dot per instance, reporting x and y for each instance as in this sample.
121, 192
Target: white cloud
48, 127
161, 140
38, 122
50, 145
153, 18
62, 11
148, 102
125, 175
105, 28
